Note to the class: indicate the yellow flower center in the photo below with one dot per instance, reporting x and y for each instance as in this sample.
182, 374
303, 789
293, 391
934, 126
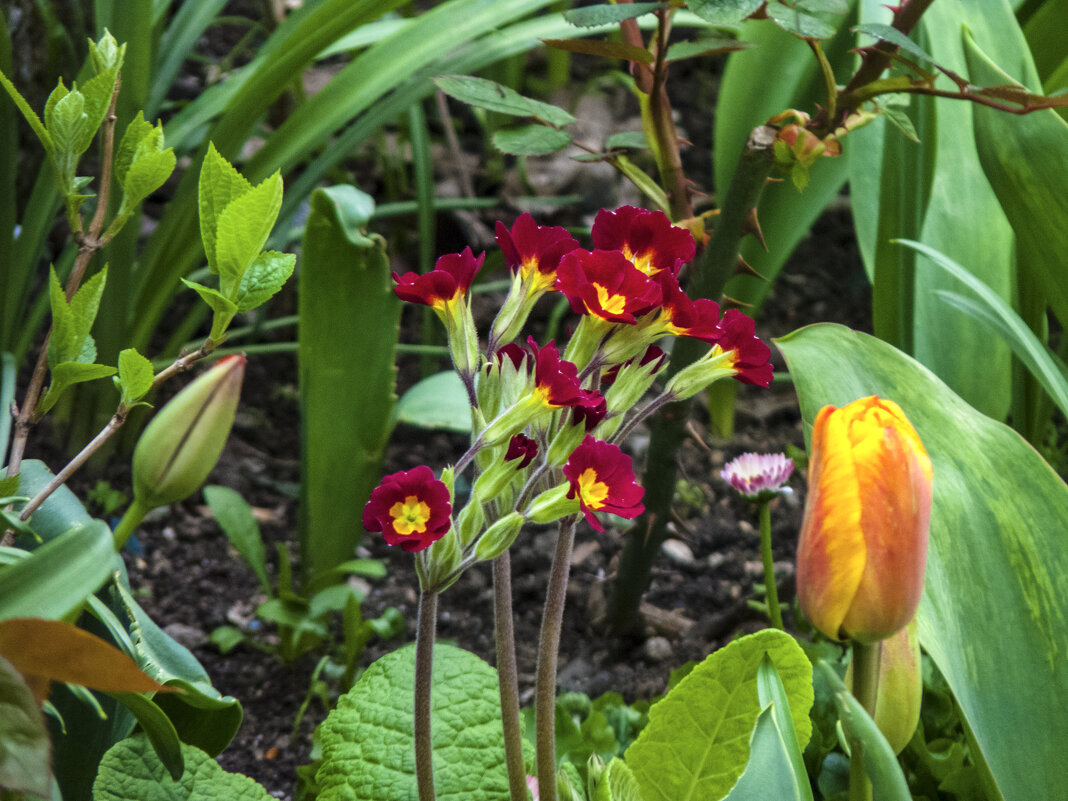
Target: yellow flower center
643, 262
410, 516
612, 304
592, 491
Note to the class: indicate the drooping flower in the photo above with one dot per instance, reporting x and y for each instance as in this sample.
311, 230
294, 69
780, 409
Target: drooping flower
863, 547
523, 448
589, 417
533, 251
602, 479
605, 284
411, 508
646, 238
697, 319
441, 287
556, 380
749, 355
652, 354
758, 475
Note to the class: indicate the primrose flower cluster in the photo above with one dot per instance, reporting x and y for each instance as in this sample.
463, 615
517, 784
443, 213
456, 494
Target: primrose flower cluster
548, 422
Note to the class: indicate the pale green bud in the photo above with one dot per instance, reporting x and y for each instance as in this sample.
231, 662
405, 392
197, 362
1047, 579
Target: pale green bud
106, 53
552, 505
900, 693
179, 448
443, 558
499, 537
470, 521
709, 368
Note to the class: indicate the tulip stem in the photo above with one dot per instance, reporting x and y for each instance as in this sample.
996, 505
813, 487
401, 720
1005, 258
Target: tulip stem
504, 631
548, 650
424, 664
865, 690
135, 513
771, 591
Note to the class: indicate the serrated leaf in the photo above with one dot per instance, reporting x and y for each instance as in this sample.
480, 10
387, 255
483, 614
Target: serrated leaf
235, 518
25, 749
97, 92
243, 228
57, 94
136, 131
887, 33
900, 120
531, 140
696, 744
617, 784
71, 322
67, 374
704, 47
593, 16
224, 309
61, 345
135, 375
130, 770
629, 140
267, 274
150, 169
220, 184
723, 12
437, 402
367, 741
798, 22
70, 125
493, 96
86, 302
597, 47
31, 116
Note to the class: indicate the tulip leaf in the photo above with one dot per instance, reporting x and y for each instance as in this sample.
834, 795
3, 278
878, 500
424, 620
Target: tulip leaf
439, 402
696, 745
992, 616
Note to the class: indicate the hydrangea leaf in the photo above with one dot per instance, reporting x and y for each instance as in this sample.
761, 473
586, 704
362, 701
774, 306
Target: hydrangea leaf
136, 131
244, 226
696, 745
135, 375
67, 374
368, 745
131, 771
265, 276
220, 184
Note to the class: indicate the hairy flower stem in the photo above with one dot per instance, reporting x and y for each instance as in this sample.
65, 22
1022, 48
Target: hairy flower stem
548, 649
771, 592
865, 690
507, 677
424, 664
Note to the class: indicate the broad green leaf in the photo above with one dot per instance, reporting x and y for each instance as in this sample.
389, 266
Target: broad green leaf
798, 22
438, 401
243, 228
696, 744
135, 375
605, 49
705, 46
130, 771
71, 322
220, 185
85, 304
493, 96
235, 518
1003, 650
97, 92
67, 374
617, 784
135, 132
531, 140
25, 749
68, 123
890, 34
880, 762
723, 12
367, 741
350, 209
591, 16
54, 580
158, 728
151, 167
1025, 158
266, 275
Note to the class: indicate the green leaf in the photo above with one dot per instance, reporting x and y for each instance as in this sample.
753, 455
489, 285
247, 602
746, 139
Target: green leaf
71, 322
1001, 650
266, 275
159, 730
68, 123
696, 743
220, 185
30, 115
706, 46
626, 140
604, 49
54, 580
131, 771
592, 16
888, 33
899, 118
61, 510
97, 92
493, 96
151, 167
25, 749
84, 306
135, 133
617, 784
67, 374
235, 518
531, 140
367, 741
243, 228
437, 402
880, 762
224, 308
135, 375
798, 22
723, 12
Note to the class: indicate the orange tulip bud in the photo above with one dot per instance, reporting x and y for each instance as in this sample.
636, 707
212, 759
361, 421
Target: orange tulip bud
863, 548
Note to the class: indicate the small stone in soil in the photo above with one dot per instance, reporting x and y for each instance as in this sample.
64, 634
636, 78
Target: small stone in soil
657, 649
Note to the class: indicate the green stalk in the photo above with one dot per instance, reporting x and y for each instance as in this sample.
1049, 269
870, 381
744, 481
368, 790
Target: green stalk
424, 665
135, 513
865, 690
771, 592
507, 676
548, 650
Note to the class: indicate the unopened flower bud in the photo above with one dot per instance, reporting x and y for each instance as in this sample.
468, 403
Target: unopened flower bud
499, 537
900, 690
181, 445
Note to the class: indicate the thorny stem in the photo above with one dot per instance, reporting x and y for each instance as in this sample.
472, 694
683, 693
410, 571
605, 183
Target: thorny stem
548, 650
771, 591
424, 664
507, 676
866, 691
